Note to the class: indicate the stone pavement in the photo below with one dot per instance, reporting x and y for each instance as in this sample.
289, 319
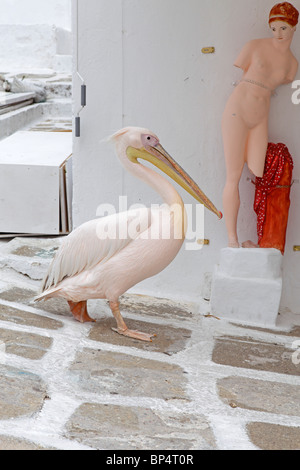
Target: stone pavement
202, 383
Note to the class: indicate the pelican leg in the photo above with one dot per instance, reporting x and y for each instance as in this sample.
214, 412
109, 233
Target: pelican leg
79, 311
122, 328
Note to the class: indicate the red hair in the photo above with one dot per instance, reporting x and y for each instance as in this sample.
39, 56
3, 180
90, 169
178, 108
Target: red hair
284, 12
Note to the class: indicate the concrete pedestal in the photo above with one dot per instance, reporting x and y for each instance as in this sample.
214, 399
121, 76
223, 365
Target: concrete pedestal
247, 285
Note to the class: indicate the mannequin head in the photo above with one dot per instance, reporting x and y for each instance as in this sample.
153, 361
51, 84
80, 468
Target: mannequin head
283, 20
282, 31
284, 12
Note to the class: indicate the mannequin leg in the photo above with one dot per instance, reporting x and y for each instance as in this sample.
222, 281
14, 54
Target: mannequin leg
257, 148
235, 135
255, 156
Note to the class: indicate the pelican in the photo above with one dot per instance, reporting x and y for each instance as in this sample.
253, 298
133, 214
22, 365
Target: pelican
103, 258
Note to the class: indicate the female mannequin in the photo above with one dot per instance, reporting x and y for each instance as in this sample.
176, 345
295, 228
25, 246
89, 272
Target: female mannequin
266, 63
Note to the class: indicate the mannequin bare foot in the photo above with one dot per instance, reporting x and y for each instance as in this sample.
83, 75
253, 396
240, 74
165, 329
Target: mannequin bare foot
234, 245
249, 244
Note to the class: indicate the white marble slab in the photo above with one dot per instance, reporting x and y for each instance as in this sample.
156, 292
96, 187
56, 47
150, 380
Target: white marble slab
31, 192
36, 148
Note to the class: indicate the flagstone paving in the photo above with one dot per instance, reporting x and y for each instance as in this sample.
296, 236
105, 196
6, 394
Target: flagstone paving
202, 384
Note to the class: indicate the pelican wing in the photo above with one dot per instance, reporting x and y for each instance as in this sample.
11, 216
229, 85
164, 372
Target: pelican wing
95, 242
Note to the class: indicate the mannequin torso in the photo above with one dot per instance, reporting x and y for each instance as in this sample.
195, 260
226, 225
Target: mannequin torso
263, 62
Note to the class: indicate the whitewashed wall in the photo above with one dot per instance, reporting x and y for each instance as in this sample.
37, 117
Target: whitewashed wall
35, 34
29, 12
143, 66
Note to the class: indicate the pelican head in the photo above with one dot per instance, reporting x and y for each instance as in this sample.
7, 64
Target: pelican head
134, 143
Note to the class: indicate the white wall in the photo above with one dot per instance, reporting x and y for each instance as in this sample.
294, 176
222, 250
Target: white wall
29, 12
143, 66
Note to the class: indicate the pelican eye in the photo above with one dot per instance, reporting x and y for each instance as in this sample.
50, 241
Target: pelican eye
149, 140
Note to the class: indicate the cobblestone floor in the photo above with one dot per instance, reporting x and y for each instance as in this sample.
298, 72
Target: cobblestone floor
202, 383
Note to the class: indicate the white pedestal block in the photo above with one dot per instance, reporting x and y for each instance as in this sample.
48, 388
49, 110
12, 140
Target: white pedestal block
36, 183
247, 285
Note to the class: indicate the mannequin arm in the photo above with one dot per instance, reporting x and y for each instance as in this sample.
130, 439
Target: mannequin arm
293, 72
244, 59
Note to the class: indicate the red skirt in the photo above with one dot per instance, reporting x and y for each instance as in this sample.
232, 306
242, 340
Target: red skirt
272, 197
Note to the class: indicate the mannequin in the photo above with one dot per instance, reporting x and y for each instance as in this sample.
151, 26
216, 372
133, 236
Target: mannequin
266, 63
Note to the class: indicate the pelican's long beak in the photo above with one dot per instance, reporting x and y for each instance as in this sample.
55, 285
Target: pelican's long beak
159, 157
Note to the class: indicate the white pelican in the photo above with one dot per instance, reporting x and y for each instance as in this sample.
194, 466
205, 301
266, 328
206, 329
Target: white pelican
103, 258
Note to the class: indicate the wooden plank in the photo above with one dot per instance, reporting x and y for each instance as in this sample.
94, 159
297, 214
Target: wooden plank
63, 209
69, 189
10, 108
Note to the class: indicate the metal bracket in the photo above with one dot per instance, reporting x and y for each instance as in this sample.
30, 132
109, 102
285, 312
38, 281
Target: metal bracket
203, 242
208, 50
